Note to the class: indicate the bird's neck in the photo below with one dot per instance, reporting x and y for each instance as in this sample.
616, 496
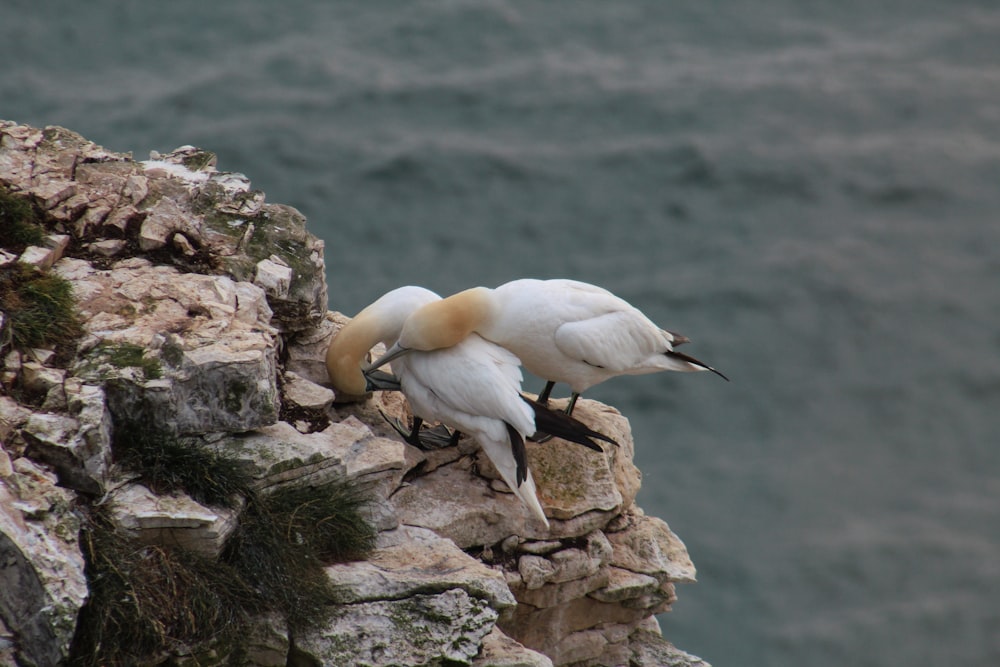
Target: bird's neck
346, 351
449, 321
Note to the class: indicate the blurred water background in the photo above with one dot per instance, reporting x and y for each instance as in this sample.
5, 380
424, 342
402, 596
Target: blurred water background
809, 190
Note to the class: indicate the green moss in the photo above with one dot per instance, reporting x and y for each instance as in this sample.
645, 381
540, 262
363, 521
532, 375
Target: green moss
172, 353
20, 223
198, 161
126, 355
39, 308
236, 392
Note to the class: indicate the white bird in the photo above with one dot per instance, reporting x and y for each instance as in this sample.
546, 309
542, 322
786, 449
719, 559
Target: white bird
473, 386
561, 330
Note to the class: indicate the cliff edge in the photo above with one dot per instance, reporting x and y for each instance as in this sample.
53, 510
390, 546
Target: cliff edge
164, 307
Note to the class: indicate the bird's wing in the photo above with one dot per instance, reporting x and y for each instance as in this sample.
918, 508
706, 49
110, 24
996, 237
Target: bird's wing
474, 379
617, 341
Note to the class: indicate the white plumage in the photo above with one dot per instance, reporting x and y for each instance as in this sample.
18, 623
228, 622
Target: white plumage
561, 330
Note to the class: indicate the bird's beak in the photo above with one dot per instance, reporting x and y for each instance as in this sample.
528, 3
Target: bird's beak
393, 352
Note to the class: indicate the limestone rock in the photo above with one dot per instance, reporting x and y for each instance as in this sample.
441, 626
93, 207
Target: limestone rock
61, 441
273, 277
573, 480
278, 454
307, 349
174, 520
209, 356
648, 546
624, 585
499, 650
419, 630
42, 582
649, 649
412, 560
305, 394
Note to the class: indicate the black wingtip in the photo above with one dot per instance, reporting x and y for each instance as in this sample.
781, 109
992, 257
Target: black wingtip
561, 425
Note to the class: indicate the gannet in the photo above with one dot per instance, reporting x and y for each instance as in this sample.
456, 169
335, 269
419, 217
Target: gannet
473, 386
561, 330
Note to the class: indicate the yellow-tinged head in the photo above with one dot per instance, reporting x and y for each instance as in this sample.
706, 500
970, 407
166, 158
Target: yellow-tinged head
447, 322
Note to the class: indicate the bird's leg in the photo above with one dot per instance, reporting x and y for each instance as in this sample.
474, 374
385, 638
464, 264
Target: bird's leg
413, 437
543, 397
431, 438
572, 403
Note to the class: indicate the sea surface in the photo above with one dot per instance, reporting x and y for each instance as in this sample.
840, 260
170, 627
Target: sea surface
809, 190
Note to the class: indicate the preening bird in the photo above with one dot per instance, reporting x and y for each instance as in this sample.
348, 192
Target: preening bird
473, 386
561, 330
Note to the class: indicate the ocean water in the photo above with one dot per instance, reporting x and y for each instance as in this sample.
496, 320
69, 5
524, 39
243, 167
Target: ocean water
809, 191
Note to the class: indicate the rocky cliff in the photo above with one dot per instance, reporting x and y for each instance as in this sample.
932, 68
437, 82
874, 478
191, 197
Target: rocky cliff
197, 327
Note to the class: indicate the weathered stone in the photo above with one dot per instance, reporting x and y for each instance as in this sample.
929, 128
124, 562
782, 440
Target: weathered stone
552, 594
573, 564
181, 243
51, 192
499, 650
273, 278
535, 571
539, 547
174, 520
12, 417
107, 247
163, 220
278, 454
60, 441
70, 209
419, 630
364, 453
548, 630
412, 560
42, 582
573, 480
39, 257
649, 649
624, 585
219, 366
39, 379
305, 394
307, 349
41, 355
648, 546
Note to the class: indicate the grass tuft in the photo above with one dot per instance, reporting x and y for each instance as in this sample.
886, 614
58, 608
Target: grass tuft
168, 465
20, 223
286, 537
145, 600
39, 308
